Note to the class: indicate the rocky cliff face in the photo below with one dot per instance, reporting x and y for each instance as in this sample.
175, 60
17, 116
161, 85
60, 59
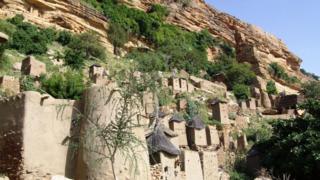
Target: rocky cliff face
251, 43
61, 14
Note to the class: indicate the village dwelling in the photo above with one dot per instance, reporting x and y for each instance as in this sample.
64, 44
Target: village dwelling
220, 111
177, 123
163, 153
196, 132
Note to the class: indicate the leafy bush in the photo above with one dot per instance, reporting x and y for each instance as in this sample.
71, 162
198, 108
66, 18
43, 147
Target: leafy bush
295, 142
311, 89
271, 87
16, 20
5, 64
240, 74
158, 11
165, 97
148, 61
228, 50
88, 43
28, 83
83, 47
241, 91
29, 39
68, 85
192, 109
234, 175
64, 37
259, 130
278, 72
7, 28
74, 58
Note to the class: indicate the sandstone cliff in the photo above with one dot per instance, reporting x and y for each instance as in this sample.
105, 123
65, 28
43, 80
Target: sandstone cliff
61, 14
251, 43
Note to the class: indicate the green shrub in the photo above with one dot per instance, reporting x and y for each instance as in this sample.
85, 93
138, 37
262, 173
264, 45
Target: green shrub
7, 28
50, 34
5, 64
29, 39
241, 91
74, 58
240, 74
234, 175
165, 97
148, 61
83, 47
88, 43
204, 39
175, 47
277, 71
64, 37
271, 87
228, 50
16, 20
28, 83
192, 109
259, 130
311, 89
68, 85
158, 11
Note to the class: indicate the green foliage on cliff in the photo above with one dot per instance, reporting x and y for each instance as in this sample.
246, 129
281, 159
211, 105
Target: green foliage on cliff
277, 71
159, 12
241, 91
83, 47
175, 47
240, 74
28, 38
271, 87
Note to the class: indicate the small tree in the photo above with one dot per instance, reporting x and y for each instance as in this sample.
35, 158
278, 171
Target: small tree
117, 36
271, 87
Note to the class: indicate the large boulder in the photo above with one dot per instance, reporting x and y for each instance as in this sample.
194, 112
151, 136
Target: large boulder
266, 100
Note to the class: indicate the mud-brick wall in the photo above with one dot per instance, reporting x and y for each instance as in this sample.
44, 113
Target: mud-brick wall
11, 125
101, 105
37, 128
